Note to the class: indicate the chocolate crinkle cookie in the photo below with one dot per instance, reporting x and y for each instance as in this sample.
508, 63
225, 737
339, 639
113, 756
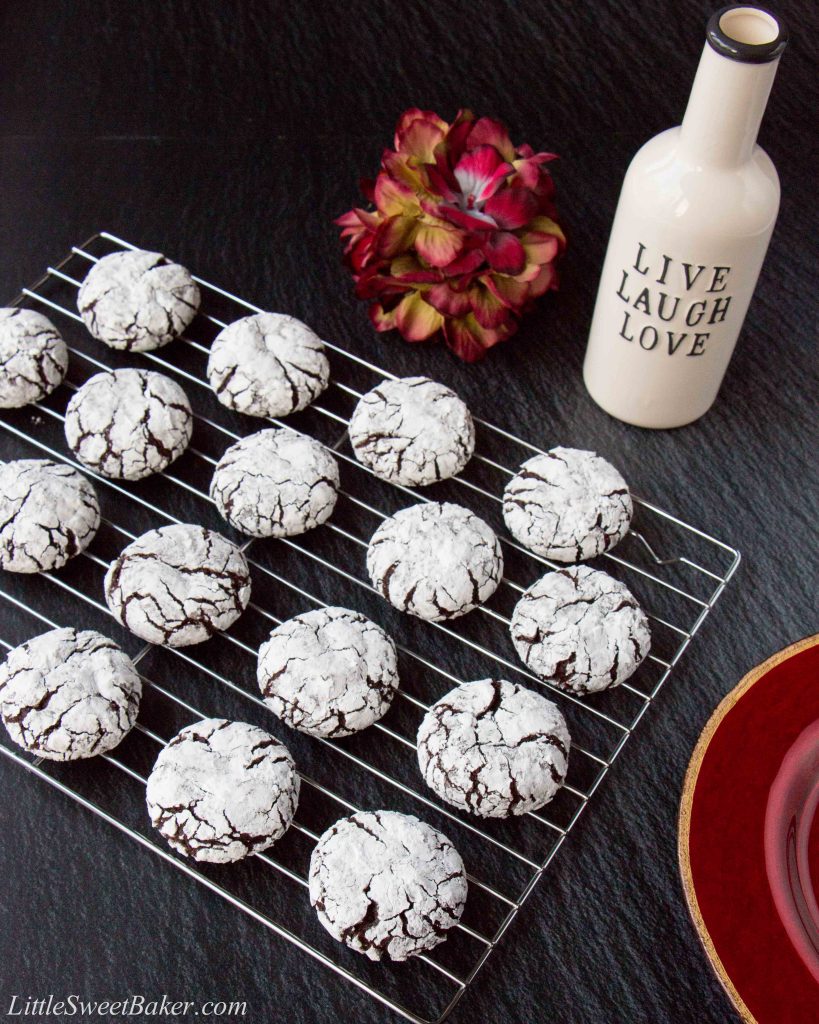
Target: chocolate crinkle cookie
494, 748
330, 672
137, 300
386, 884
276, 483
128, 424
412, 431
567, 505
220, 791
268, 364
581, 629
48, 514
435, 560
178, 585
68, 694
33, 357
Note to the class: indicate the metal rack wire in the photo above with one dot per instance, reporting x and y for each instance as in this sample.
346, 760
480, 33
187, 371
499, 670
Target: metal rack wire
677, 571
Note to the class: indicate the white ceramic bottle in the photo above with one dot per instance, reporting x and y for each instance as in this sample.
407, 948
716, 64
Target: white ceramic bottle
694, 219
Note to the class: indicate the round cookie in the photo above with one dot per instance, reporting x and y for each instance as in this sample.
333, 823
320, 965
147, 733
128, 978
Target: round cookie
137, 300
435, 560
330, 672
275, 483
128, 424
412, 431
268, 364
567, 505
48, 514
386, 884
178, 585
494, 748
68, 694
220, 791
33, 357
581, 629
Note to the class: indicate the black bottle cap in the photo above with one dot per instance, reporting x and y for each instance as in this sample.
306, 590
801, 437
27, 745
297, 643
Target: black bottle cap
725, 25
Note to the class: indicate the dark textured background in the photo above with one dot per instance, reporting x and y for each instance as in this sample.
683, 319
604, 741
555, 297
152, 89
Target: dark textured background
228, 135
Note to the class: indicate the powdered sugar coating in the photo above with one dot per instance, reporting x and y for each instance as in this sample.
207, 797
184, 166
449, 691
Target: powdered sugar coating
329, 672
137, 300
48, 514
581, 629
567, 505
178, 585
128, 424
275, 483
222, 790
268, 364
386, 884
494, 748
33, 357
412, 431
68, 694
435, 560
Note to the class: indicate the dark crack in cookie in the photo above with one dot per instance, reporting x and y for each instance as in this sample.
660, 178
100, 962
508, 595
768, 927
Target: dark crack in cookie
330, 672
220, 791
68, 694
412, 431
386, 884
268, 364
48, 514
494, 748
567, 505
435, 560
137, 300
128, 424
178, 585
581, 629
275, 483
33, 357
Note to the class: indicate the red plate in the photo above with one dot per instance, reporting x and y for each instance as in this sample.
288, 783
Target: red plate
750, 882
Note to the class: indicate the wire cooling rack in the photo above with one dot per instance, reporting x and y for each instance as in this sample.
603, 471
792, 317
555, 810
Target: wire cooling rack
677, 572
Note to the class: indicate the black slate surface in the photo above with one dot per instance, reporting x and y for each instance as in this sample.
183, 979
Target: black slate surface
229, 135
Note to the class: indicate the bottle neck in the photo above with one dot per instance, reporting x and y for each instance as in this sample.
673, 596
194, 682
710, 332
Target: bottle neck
725, 109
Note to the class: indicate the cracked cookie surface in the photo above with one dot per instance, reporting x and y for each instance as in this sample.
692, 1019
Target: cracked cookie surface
68, 694
33, 357
128, 424
581, 629
387, 884
178, 585
567, 505
435, 560
329, 672
268, 364
221, 790
48, 514
275, 483
412, 431
137, 300
494, 748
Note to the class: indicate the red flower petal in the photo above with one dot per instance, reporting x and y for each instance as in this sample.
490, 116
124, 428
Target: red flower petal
511, 208
448, 301
394, 236
416, 319
467, 263
409, 117
489, 311
438, 244
540, 248
513, 294
469, 340
504, 253
481, 171
474, 221
394, 197
489, 132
